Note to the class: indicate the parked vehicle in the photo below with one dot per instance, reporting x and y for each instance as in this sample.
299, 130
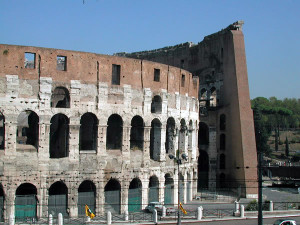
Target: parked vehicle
285, 221
159, 208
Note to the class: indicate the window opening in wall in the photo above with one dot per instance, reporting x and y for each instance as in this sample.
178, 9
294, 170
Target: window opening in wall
155, 139
59, 136
156, 105
112, 195
137, 133
170, 135
88, 132
203, 134
190, 135
182, 80
114, 132
222, 142
1, 203
29, 62
169, 190
26, 202
135, 196
203, 170
116, 73
222, 122
60, 98
58, 199
153, 189
86, 196
27, 130
61, 63
157, 75
2, 131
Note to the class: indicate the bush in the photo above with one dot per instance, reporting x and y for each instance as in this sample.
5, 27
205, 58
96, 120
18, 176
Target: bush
253, 206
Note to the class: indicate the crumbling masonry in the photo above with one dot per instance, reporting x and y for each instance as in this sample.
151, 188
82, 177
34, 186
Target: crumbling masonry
81, 128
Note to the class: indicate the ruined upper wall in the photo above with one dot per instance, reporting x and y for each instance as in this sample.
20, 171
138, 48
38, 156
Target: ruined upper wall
91, 68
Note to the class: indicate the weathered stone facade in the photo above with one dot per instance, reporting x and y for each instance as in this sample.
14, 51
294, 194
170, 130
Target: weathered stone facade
79, 126
226, 131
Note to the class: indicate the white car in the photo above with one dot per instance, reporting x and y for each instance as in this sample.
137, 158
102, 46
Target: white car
285, 222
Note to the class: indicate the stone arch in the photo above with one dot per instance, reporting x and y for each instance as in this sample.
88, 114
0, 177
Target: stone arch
182, 133
156, 104
2, 131
137, 133
203, 170
169, 190
59, 136
88, 132
86, 196
153, 189
155, 139
189, 187
26, 202
203, 97
222, 122
58, 199
135, 195
170, 133
60, 98
203, 134
28, 129
181, 187
112, 194
114, 133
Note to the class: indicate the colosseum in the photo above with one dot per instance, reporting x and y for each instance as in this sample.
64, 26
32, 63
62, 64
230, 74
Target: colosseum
81, 128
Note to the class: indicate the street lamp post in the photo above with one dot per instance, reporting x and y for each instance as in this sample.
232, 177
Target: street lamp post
178, 161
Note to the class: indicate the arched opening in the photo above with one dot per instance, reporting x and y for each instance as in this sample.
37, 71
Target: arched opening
156, 105
169, 190
1, 203
135, 195
112, 193
182, 134
222, 142
114, 132
25, 202
222, 162
86, 196
170, 133
88, 132
58, 199
137, 133
155, 139
203, 168
153, 189
213, 97
2, 131
203, 135
222, 122
28, 130
190, 135
60, 98
59, 136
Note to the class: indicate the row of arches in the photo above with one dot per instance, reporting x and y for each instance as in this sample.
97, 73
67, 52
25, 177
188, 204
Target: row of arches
27, 200
28, 133
61, 99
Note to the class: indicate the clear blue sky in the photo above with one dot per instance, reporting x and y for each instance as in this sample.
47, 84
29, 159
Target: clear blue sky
271, 29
